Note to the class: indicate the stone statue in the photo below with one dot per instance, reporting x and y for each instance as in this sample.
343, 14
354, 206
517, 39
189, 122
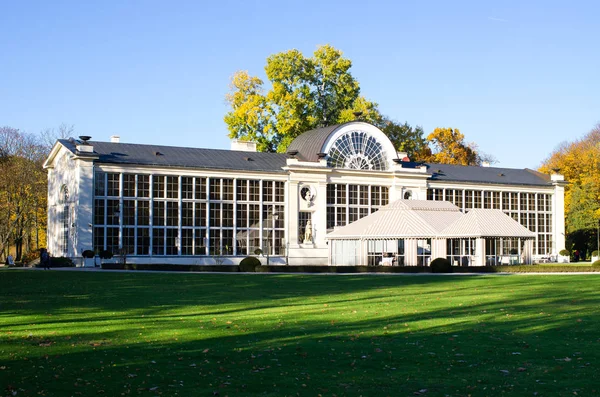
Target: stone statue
308, 232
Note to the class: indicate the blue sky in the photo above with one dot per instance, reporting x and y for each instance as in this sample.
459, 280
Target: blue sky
516, 77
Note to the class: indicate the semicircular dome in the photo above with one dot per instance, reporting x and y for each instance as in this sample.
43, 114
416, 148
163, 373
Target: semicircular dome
354, 145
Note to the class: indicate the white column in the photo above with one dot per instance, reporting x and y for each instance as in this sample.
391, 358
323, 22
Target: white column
558, 213
479, 252
319, 216
85, 208
410, 250
292, 215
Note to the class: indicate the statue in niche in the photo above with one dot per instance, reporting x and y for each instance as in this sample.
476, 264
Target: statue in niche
308, 232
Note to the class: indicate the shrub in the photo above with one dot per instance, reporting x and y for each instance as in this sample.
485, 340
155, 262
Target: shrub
106, 254
249, 264
564, 253
596, 264
30, 258
61, 262
88, 254
441, 265
595, 253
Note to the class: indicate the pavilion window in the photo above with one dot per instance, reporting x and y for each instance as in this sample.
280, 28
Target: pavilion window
158, 241
423, 252
143, 186
158, 186
143, 241
143, 213
128, 241
477, 199
187, 187
187, 241
113, 184
128, 185
100, 184
129, 212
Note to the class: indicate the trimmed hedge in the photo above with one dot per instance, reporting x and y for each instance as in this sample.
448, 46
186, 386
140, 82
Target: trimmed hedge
564, 253
596, 265
171, 268
105, 254
249, 264
88, 254
355, 269
341, 269
441, 265
58, 262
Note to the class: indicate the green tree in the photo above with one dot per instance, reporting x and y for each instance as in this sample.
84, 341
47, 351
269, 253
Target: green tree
407, 139
579, 162
306, 93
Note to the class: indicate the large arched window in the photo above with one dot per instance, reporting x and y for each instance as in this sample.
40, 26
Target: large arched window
357, 150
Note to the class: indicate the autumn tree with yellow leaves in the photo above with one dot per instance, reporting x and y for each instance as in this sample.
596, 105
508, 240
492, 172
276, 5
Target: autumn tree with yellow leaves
23, 192
449, 147
579, 162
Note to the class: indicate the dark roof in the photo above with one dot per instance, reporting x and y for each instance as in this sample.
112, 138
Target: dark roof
476, 174
182, 157
310, 143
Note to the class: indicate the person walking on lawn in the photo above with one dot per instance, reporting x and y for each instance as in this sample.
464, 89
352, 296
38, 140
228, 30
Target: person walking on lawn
45, 259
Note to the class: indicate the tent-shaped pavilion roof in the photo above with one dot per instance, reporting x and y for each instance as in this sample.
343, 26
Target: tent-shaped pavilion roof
430, 219
487, 223
402, 218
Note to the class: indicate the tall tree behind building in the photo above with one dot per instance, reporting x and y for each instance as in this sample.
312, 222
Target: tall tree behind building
449, 147
579, 162
23, 191
305, 93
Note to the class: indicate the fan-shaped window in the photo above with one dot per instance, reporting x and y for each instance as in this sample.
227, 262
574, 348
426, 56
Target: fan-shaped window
357, 150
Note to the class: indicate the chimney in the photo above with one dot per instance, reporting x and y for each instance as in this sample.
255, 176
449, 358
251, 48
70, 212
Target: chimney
115, 139
403, 156
243, 146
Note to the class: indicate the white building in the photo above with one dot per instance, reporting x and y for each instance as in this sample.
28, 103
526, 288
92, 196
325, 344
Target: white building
163, 204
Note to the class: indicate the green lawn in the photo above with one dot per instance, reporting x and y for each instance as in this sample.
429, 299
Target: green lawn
89, 333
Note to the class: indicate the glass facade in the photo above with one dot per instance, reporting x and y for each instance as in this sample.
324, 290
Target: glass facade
347, 203
532, 210
143, 214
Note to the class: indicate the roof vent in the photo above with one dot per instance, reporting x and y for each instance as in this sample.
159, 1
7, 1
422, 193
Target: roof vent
321, 155
243, 146
248, 159
158, 154
115, 139
501, 174
85, 139
292, 152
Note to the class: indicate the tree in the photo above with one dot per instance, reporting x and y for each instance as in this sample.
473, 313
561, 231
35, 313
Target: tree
407, 139
579, 162
23, 190
449, 147
306, 93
